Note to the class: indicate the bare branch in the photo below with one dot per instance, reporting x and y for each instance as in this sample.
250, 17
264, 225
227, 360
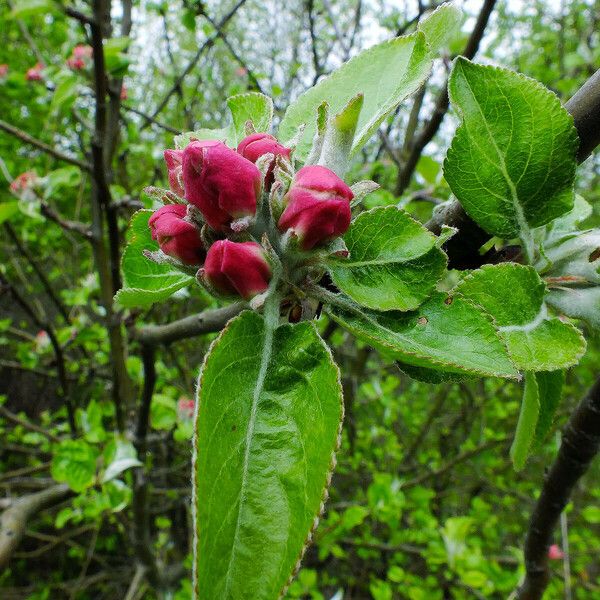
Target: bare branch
25, 137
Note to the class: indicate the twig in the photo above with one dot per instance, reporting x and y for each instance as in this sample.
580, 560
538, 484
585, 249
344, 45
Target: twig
208, 321
14, 520
25, 137
7, 414
580, 444
441, 104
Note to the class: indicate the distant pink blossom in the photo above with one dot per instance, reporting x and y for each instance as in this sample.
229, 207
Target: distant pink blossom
185, 408
82, 52
241, 71
35, 73
123, 94
555, 553
23, 182
3, 71
42, 340
77, 64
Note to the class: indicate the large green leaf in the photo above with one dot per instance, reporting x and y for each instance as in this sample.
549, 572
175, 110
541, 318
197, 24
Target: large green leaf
513, 295
446, 333
512, 161
146, 281
441, 26
74, 463
267, 424
528, 418
251, 106
386, 74
393, 264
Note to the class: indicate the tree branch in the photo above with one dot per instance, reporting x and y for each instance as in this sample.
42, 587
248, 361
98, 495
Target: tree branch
580, 444
14, 520
25, 137
442, 103
208, 321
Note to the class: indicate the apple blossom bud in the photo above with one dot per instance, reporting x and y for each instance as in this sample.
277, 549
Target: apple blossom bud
176, 237
237, 268
23, 182
174, 159
256, 145
185, 408
222, 184
123, 95
555, 553
3, 71
82, 52
317, 206
77, 64
35, 73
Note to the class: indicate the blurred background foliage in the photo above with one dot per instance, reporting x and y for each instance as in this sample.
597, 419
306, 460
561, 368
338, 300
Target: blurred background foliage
424, 504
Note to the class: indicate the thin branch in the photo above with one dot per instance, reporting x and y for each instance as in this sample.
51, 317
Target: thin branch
209, 43
580, 444
7, 414
14, 520
25, 137
151, 119
208, 321
442, 103
313, 41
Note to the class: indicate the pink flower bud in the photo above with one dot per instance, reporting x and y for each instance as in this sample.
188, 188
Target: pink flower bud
3, 71
237, 268
77, 64
174, 159
555, 553
82, 52
123, 95
176, 237
256, 145
223, 185
317, 206
185, 408
35, 73
42, 340
241, 71
23, 182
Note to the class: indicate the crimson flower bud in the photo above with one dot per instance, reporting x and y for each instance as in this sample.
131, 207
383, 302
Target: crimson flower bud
256, 145
3, 71
218, 181
174, 158
237, 268
35, 73
317, 206
176, 237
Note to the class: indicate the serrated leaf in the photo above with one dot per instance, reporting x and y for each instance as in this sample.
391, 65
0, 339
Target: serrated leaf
386, 74
513, 295
446, 333
251, 106
393, 264
441, 26
550, 385
267, 424
512, 160
528, 417
74, 463
145, 281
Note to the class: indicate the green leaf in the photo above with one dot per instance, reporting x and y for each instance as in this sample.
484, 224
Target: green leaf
528, 417
74, 463
163, 412
550, 385
268, 421
513, 295
393, 264
145, 281
8, 209
27, 8
183, 139
251, 106
512, 160
386, 74
441, 26
446, 333
65, 93
120, 455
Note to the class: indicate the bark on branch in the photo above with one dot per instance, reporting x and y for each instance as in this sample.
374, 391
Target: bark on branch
13, 521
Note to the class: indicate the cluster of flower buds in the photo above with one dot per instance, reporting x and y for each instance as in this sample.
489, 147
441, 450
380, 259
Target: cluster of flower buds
35, 73
229, 194
80, 57
23, 185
